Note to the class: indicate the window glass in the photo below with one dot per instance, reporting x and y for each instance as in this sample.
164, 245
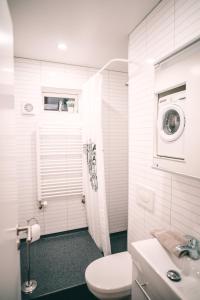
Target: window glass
59, 104
51, 103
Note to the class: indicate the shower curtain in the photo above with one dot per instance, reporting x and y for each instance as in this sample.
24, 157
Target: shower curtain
96, 207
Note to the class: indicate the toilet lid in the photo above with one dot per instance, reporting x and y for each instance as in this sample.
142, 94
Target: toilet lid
110, 273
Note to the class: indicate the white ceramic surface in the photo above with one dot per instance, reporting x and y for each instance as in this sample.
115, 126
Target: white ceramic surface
153, 262
110, 277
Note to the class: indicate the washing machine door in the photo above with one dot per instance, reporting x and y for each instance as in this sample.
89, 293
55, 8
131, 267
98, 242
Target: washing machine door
171, 122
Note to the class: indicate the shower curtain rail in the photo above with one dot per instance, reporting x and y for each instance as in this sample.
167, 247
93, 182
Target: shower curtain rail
109, 63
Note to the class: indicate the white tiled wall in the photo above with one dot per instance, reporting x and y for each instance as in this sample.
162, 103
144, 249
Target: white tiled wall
68, 214
177, 199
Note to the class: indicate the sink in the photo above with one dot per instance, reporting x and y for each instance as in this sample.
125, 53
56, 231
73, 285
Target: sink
152, 262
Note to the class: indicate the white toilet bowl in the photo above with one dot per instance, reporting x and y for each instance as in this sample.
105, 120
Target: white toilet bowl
110, 277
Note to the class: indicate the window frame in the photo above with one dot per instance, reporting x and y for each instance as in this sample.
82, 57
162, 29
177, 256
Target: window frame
60, 94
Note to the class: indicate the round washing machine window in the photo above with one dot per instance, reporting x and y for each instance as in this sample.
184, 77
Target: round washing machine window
171, 122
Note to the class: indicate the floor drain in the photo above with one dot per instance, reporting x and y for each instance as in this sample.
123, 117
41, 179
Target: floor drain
173, 275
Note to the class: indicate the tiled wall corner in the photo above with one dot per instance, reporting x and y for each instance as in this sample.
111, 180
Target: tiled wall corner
170, 25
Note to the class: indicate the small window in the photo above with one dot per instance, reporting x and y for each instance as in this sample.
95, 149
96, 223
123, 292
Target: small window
60, 102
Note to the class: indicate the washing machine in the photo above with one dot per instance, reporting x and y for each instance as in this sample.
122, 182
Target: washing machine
171, 123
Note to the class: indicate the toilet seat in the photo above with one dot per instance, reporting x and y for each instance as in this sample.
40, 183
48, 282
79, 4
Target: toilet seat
110, 274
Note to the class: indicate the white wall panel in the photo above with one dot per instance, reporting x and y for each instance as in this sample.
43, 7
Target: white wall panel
187, 21
170, 25
160, 30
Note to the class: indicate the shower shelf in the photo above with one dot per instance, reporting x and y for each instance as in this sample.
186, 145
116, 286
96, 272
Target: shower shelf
59, 162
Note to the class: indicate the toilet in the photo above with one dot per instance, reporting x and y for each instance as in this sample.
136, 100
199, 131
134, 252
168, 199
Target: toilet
110, 277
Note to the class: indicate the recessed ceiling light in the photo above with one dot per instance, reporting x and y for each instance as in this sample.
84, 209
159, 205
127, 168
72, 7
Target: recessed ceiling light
62, 46
150, 60
5, 38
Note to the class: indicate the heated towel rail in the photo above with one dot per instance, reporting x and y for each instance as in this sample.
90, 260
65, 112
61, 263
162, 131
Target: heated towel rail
59, 162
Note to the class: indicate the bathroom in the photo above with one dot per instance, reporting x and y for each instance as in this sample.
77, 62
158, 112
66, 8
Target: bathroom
104, 204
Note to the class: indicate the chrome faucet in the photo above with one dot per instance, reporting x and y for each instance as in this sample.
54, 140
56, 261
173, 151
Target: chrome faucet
191, 248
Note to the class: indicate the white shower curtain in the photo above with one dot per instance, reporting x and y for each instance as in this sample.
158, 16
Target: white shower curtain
96, 207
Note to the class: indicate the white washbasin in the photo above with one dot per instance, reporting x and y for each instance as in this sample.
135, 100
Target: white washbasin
153, 262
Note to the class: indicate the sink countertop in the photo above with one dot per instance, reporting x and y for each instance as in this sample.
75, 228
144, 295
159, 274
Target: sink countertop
160, 260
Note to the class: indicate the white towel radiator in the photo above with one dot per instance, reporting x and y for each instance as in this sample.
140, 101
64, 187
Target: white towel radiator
59, 162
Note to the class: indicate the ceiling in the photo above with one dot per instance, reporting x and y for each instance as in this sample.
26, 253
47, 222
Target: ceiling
94, 31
